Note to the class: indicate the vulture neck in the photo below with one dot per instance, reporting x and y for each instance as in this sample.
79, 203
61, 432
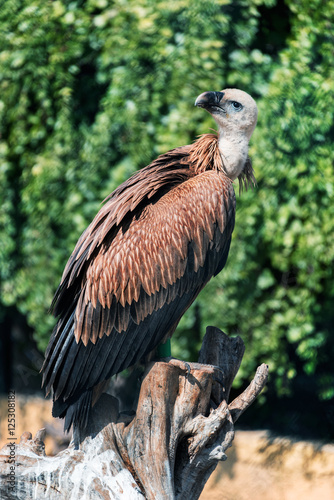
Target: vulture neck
233, 148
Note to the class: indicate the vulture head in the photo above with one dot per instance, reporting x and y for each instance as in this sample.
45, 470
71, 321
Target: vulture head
235, 113
232, 109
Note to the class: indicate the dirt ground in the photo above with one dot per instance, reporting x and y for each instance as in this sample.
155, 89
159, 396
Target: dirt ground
31, 414
258, 465
261, 467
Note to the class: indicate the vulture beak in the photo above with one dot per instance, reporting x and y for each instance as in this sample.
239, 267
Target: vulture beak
211, 101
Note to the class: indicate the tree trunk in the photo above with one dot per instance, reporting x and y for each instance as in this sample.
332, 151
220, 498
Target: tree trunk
182, 428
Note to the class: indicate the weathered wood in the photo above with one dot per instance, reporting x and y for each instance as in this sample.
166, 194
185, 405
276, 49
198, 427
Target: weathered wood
182, 428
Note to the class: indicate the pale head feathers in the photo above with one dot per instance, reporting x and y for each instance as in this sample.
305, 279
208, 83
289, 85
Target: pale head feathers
234, 110
239, 119
235, 113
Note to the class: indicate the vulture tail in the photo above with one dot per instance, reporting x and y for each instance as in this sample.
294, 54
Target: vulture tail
76, 413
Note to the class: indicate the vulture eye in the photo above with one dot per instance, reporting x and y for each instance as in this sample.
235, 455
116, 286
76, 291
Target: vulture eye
236, 105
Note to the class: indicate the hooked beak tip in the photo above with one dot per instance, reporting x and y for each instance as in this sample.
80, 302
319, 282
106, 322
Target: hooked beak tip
209, 100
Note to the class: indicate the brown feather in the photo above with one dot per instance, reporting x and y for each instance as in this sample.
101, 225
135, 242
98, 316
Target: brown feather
247, 177
132, 261
136, 257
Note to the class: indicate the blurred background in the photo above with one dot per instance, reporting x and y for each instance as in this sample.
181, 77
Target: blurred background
91, 90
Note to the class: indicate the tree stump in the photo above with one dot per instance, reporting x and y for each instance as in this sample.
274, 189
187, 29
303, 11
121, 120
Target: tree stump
167, 450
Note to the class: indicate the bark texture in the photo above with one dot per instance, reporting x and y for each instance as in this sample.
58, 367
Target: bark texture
182, 428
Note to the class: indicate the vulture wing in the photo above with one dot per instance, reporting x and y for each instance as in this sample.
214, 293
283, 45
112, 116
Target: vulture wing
150, 250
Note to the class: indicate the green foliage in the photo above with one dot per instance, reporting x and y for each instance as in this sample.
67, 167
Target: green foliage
277, 289
91, 91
